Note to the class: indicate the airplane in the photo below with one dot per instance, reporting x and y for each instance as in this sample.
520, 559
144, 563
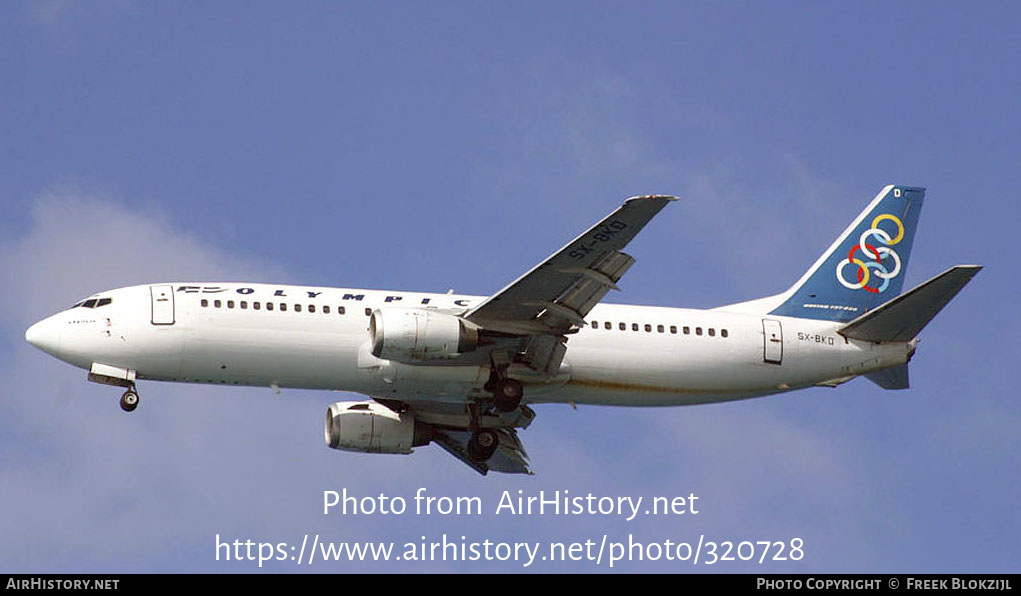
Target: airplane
464, 371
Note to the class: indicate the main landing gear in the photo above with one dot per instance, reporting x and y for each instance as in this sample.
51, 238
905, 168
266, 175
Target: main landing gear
483, 441
129, 400
507, 396
483, 444
507, 392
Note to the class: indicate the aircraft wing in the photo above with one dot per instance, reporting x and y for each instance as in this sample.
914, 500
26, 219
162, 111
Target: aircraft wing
553, 298
448, 428
510, 457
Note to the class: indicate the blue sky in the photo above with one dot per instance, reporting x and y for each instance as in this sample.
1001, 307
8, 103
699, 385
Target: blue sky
426, 146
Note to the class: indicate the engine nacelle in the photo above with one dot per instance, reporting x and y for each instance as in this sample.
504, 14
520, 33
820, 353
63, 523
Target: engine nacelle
370, 427
416, 335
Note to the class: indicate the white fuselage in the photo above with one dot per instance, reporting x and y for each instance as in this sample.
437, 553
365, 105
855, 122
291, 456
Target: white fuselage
317, 338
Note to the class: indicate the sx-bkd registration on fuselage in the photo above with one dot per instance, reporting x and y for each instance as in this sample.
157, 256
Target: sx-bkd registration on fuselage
463, 371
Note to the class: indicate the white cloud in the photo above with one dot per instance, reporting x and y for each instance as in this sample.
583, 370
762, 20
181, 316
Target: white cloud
88, 487
78, 245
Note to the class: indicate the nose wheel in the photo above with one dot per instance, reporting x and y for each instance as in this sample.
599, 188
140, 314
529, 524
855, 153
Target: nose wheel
129, 400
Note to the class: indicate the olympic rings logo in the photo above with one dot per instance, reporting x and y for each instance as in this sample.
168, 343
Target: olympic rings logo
873, 258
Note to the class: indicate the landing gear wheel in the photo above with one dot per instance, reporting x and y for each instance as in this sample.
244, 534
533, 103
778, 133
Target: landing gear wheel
508, 395
129, 401
482, 445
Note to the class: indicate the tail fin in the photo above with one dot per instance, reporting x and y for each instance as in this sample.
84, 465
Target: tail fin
865, 266
902, 318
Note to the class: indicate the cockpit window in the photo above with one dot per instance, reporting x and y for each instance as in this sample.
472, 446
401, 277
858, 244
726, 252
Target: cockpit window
76, 304
93, 303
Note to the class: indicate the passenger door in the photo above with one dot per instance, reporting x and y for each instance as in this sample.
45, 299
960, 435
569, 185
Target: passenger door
162, 304
772, 337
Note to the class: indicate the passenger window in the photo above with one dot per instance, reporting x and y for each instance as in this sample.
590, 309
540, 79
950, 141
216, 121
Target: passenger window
698, 331
269, 306
217, 303
595, 324
659, 328
634, 326
687, 330
607, 325
623, 326
204, 302
326, 310
368, 312
244, 305
723, 333
712, 332
341, 310
297, 308
283, 306
256, 305
648, 328
90, 303
673, 329
311, 308
230, 304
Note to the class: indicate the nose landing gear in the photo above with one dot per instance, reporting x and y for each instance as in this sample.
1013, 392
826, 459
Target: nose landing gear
129, 400
105, 374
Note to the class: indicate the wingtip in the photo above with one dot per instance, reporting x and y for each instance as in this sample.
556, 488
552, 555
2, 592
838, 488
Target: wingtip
973, 268
904, 187
651, 197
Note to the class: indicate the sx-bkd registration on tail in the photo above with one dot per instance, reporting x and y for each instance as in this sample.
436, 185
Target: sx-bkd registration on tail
463, 371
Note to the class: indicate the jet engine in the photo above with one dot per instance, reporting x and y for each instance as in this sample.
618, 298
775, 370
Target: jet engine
370, 427
413, 335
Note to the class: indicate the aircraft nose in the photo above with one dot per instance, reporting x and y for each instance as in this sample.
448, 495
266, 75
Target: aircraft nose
45, 335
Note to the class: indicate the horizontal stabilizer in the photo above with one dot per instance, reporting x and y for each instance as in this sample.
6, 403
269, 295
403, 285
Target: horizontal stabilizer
895, 377
902, 318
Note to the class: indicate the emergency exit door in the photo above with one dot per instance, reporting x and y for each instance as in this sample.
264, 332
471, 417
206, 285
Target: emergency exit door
162, 305
772, 337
